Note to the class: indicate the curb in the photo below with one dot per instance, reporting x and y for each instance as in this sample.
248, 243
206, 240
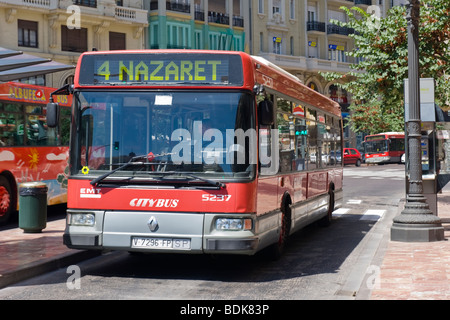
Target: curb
382, 235
40, 267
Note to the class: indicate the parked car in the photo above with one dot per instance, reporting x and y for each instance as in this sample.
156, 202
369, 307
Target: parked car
352, 156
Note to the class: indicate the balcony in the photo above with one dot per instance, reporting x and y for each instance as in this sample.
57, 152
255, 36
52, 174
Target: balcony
364, 2
220, 18
199, 15
40, 4
285, 61
315, 26
335, 29
86, 3
306, 64
316, 65
238, 21
179, 7
131, 14
88, 7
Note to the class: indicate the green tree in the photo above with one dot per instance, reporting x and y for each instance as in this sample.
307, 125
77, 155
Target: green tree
381, 49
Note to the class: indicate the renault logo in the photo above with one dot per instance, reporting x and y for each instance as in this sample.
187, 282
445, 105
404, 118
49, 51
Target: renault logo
152, 224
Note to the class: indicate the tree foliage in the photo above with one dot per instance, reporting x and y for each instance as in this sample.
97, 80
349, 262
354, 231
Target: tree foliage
381, 49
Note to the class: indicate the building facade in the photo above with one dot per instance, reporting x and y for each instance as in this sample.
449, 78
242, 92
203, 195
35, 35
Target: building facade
197, 24
296, 35
62, 29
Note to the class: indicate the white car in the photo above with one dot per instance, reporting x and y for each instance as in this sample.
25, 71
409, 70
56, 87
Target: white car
403, 158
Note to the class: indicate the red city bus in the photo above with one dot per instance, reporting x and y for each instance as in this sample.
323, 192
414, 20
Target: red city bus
386, 147
29, 150
197, 152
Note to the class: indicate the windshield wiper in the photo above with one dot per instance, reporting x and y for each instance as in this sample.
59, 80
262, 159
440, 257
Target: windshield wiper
167, 174
150, 156
216, 184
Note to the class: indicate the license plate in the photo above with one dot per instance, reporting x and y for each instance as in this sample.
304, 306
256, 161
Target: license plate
160, 243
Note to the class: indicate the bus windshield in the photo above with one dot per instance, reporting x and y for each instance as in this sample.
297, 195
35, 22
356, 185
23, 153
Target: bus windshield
376, 146
206, 133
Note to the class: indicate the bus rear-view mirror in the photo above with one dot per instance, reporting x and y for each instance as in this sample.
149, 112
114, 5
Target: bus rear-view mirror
52, 114
265, 110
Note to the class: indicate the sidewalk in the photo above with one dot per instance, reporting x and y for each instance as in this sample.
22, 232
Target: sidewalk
408, 271
25, 255
418, 270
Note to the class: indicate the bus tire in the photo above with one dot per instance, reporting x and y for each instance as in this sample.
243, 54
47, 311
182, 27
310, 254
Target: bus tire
326, 221
6, 199
276, 250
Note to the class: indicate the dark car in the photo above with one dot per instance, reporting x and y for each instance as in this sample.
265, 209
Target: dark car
352, 156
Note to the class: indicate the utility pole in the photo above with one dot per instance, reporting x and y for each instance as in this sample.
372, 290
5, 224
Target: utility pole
416, 223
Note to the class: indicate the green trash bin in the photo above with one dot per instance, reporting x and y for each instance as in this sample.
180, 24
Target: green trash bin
32, 206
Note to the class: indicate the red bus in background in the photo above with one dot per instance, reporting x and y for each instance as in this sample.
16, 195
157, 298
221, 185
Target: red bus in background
29, 150
386, 147
197, 152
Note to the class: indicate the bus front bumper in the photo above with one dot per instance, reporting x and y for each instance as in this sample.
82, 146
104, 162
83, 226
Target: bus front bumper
378, 159
170, 232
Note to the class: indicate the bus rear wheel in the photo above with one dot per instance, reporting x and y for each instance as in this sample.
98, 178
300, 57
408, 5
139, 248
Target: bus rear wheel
6, 203
326, 221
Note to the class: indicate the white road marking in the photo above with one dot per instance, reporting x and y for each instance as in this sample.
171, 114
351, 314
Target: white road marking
373, 215
339, 212
368, 215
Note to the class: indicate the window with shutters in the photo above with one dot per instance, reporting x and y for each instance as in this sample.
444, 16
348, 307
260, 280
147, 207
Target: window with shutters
74, 40
117, 41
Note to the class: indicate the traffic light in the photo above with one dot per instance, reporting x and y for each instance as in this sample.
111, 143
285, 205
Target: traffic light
300, 130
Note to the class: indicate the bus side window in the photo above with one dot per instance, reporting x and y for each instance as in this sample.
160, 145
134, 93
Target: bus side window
313, 150
286, 143
300, 144
286, 131
268, 144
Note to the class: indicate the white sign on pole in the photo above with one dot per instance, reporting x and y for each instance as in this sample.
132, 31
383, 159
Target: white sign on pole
427, 112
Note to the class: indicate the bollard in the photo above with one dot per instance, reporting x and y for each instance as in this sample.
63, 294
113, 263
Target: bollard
32, 206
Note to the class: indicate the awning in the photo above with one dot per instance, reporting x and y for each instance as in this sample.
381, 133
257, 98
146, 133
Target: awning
8, 52
15, 65
19, 61
33, 70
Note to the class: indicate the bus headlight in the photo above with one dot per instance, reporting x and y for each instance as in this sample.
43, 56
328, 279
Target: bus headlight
233, 224
81, 219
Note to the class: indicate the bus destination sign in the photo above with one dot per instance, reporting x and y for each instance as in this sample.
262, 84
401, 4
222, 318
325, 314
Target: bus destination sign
161, 69
375, 138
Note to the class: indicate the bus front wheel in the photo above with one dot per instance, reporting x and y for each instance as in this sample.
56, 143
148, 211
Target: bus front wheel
276, 250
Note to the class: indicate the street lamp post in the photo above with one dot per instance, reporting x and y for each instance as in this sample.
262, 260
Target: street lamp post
416, 223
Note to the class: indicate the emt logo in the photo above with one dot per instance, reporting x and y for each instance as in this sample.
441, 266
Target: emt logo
92, 193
